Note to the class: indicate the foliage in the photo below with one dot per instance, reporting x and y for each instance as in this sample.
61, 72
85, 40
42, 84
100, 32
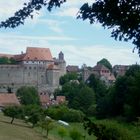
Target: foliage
6, 60
123, 99
79, 96
75, 134
34, 113
122, 16
106, 63
28, 95
65, 114
13, 112
27, 11
46, 124
62, 132
68, 77
132, 70
106, 130
83, 99
97, 85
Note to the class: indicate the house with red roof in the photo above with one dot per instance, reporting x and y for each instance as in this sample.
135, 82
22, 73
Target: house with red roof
8, 99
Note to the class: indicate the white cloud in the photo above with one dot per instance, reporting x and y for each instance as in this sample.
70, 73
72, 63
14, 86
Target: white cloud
68, 12
74, 55
8, 8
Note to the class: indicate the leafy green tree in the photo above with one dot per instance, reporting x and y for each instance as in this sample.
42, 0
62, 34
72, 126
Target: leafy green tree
79, 96
97, 85
106, 63
4, 60
116, 15
84, 99
65, 114
123, 98
62, 132
28, 95
107, 130
13, 112
68, 77
75, 134
46, 124
34, 113
133, 70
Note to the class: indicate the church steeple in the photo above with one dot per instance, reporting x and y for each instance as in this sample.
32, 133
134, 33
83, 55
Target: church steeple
61, 56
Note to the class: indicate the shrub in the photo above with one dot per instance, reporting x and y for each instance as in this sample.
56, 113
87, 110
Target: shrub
107, 130
75, 134
65, 114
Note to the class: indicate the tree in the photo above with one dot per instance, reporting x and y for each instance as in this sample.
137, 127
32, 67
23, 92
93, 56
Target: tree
47, 124
34, 114
28, 95
107, 130
13, 112
120, 15
75, 134
68, 77
62, 132
84, 99
6, 60
106, 63
97, 85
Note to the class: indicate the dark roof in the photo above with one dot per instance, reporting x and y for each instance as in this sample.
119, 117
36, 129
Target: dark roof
99, 67
72, 68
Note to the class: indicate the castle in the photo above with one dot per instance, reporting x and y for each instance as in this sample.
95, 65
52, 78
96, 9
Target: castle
36, 67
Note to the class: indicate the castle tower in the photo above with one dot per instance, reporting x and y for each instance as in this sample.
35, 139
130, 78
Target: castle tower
61, 56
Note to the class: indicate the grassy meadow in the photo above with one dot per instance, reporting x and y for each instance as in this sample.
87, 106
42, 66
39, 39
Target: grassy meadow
20, 130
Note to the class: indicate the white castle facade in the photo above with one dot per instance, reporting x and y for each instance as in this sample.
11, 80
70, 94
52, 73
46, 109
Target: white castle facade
36, 68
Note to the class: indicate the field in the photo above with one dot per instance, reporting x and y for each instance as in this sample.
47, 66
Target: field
17, 131
22, 131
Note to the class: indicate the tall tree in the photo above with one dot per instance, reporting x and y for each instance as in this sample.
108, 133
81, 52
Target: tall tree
28, 95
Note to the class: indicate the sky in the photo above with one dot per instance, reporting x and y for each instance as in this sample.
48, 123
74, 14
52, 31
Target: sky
59, 30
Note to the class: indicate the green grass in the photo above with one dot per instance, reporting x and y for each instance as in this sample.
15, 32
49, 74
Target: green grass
54, 132
22, 131
17, 131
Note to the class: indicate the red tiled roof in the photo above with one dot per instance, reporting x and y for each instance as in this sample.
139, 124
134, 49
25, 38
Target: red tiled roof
71, 68
99, 67
33, 53
44, 99
60, 99
7, 55
8, 99
52, 67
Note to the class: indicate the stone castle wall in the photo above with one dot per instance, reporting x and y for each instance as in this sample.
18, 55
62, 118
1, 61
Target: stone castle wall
15, 76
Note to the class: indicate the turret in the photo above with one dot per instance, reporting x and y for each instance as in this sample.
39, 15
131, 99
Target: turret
61, 56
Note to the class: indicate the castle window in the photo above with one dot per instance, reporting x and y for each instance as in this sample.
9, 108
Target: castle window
35, 68
8, 75
30, 68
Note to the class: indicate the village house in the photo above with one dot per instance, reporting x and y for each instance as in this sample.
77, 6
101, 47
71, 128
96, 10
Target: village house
8, 99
